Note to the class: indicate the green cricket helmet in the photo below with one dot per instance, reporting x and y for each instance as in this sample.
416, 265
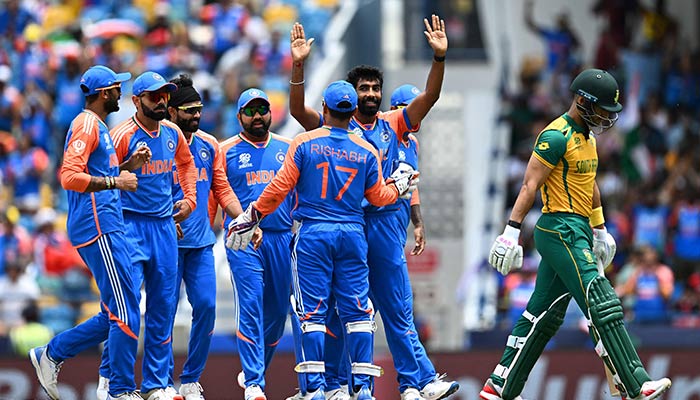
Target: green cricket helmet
598, 88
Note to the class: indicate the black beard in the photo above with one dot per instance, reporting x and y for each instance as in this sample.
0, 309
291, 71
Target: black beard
112, 105
258, 132
152, 114
367, 110
191, 125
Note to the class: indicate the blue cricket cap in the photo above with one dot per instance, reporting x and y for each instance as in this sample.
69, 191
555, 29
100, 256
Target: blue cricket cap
151, 81
250, 95
403, 95
100, 77
340, 96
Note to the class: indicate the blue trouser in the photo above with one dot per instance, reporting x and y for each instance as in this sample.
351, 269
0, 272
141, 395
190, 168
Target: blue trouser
336, 355
196, 268
261, 284
331, 258
155, 254
109, 260
392, 295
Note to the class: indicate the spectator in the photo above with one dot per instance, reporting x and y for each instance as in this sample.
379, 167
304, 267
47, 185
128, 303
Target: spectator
651, 284
24, 170
10, 101
650, 220
31, 333
685, 223
15, 243
53, 253
16, 289
561, 40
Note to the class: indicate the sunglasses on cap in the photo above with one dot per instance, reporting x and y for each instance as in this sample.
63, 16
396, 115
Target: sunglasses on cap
192, 110
117, 86
250, 111
156, 96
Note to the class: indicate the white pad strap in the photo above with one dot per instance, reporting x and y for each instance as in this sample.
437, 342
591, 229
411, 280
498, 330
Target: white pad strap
312, 327
361, 327
310, 367
366, 369
530, 317
501, 371
516, 342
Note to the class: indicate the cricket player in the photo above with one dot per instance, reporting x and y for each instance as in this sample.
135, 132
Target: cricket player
149, 217
385, 235
91, 177
332, 171
261, 276
563, 166
195, 248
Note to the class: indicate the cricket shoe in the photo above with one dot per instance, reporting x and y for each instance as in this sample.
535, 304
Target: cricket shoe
411, 394
159, 394
491, 391
315, 395
363, 394
46, 370
337, 394
191, 391
125, 396
172, 393
102, 390
254, 392
652, 389
241, 379
439, 388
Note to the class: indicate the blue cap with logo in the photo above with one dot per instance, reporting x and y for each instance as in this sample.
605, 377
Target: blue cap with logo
340, 96
403, 95
100, 77
151, 81
250, 95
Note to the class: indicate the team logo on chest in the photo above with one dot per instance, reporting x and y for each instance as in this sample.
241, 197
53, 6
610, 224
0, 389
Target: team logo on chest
279, 156
244, 161
108, 141
204, 154
402, 155
141, 144
385, 136
358, 132
171, 145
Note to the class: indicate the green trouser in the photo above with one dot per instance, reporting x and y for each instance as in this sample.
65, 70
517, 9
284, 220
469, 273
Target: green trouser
568, 269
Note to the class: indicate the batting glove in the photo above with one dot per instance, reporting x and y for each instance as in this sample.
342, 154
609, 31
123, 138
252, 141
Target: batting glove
405, 178
604, 246
506, 253
241, 229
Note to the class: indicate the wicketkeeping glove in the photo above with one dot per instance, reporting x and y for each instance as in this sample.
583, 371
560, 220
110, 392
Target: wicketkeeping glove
506, 253
604, 246
405, 178
241, 229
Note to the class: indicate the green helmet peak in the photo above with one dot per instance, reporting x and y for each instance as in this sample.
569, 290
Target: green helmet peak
599, 87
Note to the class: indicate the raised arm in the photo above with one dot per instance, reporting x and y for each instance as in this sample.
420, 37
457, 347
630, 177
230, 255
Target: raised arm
300, 48
437, 39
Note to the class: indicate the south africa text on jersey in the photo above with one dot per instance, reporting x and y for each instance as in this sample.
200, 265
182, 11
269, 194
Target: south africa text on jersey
340, 154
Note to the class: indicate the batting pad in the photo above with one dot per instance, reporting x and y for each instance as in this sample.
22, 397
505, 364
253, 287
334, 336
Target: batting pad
606, 317
531, 346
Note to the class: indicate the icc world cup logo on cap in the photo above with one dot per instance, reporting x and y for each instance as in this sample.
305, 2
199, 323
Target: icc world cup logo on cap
254, 93
156, 77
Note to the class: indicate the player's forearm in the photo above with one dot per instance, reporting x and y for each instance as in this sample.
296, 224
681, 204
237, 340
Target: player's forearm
233, 209
85, 183
307, 117
433, 85
416, 216
524, 202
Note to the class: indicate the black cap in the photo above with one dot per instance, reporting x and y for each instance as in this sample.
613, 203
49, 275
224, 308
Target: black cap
599, 87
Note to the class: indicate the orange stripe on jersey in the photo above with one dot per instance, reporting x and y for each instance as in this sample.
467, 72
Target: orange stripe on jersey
121, 135
84, 139
243, 338
124, 327
230, 142
94, 213
281, 138
186, 170
220, 187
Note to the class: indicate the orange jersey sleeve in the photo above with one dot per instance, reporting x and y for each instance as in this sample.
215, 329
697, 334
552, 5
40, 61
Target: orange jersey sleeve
398, 121
83, 140
121, 135
223, 193
380, 194
212, 208
285, 180
186, 170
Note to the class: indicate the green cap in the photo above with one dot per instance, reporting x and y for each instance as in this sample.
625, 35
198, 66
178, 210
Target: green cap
599, 87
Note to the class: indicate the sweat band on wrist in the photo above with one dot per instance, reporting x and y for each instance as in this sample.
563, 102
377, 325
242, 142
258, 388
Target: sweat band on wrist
597, 218
516, 225
439, 59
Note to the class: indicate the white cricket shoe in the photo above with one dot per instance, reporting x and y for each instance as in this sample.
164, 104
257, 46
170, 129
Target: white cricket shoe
172, 393
46, 370
254, 392
102, 391
241, 379
337, 394
439, 388
192, 391
491, 391
157, 394
125, 396
411, 394
315, 395
653, 389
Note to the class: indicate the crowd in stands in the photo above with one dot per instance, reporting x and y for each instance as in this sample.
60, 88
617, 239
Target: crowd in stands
649, 164
227, 46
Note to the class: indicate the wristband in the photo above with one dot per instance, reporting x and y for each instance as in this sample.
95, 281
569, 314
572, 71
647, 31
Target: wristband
108, 182
297, 83
439, 59
596, 218
516, 225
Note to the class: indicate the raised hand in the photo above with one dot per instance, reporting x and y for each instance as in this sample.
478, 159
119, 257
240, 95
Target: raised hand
436, 36
299, 45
